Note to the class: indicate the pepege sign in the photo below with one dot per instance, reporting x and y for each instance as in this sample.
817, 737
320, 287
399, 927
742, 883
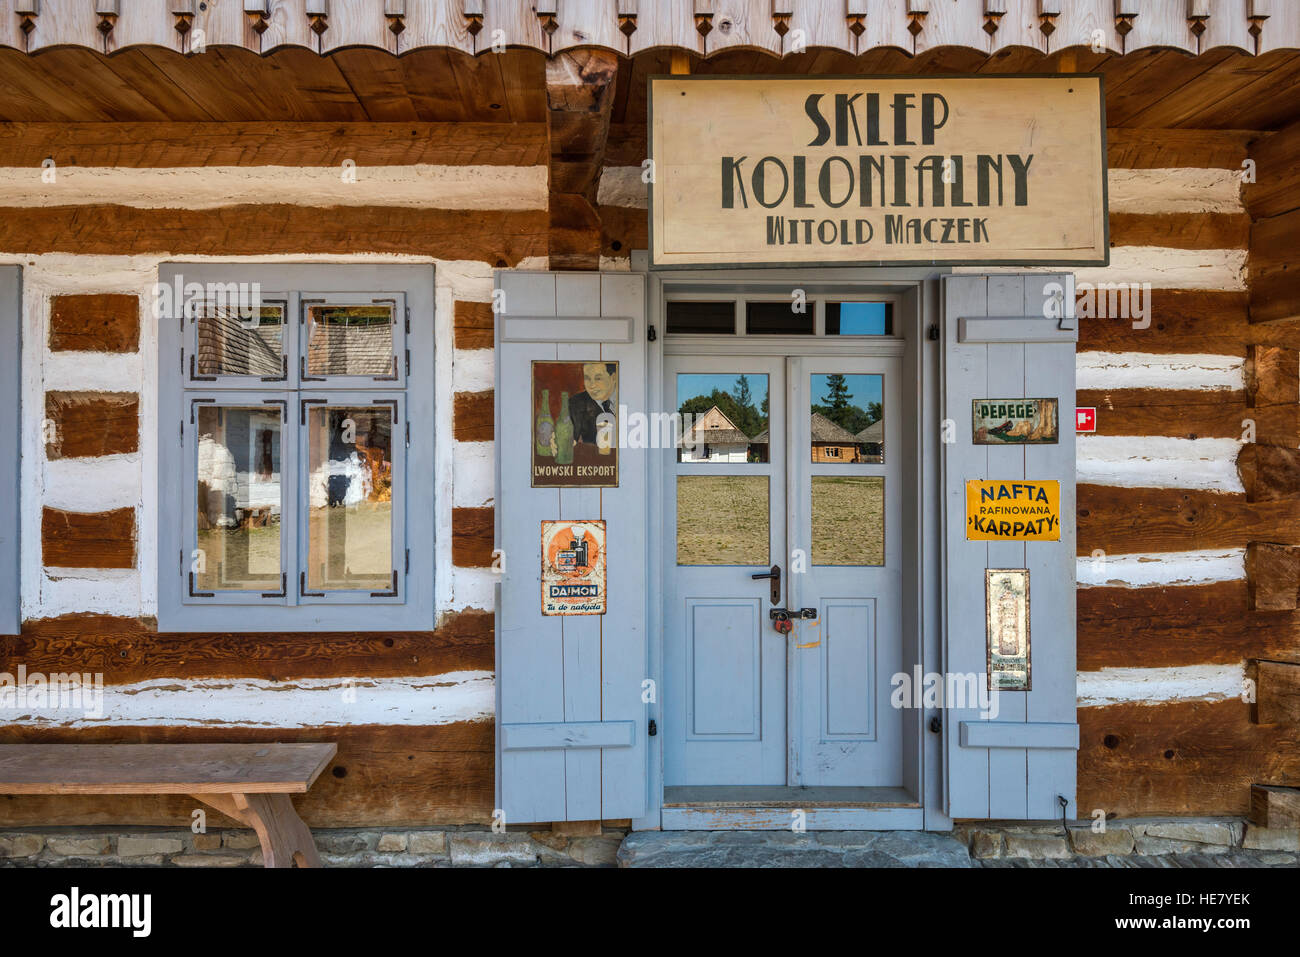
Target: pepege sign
769, 171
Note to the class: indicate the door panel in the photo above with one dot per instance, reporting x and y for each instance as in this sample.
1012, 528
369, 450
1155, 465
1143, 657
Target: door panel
846, 518
724, 665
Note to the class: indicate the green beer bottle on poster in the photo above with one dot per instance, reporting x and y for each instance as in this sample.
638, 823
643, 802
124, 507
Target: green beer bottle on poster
564, 433
545, 426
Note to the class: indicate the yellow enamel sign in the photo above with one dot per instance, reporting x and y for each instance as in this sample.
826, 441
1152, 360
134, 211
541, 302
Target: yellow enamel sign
1013, 510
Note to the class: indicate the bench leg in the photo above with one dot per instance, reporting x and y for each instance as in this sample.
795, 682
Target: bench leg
285, 839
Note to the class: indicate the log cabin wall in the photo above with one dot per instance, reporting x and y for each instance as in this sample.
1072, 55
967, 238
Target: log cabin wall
411, 712
1174, 519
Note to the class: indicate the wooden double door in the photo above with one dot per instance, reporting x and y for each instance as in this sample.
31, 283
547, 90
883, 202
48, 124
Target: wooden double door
787, 467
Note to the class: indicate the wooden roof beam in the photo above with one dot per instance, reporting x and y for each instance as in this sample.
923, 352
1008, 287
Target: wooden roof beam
579, 99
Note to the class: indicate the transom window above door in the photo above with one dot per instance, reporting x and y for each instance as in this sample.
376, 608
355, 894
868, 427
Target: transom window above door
792, 314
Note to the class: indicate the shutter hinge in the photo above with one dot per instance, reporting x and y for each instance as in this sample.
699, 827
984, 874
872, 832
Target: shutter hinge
182, 361
933, 332
408, 433
408, 320
653, 728
408, 562
652, 334
182, 439
408, 362
936, 724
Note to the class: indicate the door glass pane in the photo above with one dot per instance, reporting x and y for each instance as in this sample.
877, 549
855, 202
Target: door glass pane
848, 419
722, 520
707, 318
350, 498
238, 499
724, 417
859, 318
229, 343
350, 340
793, 318
848, 520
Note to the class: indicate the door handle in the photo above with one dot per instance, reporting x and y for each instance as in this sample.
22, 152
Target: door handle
775, 576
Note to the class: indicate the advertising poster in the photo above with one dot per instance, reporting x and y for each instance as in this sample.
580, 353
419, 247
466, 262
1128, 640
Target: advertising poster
1006, 596
1014, 422
1013, 510
575, 425
573, 568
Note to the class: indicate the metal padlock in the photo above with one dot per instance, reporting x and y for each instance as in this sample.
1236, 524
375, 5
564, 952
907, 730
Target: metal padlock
781, 621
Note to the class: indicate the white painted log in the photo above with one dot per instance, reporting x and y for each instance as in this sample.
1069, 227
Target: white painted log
254, 703
95, 484
1156, 461
622, 186
1140, 370
1150, 686
1145, 570
1177, 190
474, 475
211, 187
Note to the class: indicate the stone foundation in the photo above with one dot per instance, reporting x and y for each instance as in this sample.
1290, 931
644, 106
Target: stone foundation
1177, 842
359, 847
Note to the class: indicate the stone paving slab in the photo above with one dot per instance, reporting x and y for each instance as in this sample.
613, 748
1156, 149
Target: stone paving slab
786, 849
884, 849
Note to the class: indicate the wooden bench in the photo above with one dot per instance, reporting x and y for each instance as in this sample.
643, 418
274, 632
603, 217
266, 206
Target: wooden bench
248, 782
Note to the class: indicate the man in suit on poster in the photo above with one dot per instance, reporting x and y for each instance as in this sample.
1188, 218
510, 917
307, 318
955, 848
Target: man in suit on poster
601, 396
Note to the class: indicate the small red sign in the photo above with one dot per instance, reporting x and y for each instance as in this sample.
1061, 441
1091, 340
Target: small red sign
1085, 420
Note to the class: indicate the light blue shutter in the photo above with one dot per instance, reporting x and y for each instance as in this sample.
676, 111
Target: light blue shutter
11, 324
999, 343
571, 725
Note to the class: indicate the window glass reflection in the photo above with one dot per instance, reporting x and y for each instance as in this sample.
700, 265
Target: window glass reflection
848, 419
722, 520
848, 520
724, 417
238, 499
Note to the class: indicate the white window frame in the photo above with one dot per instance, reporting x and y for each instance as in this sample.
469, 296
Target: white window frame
409, 392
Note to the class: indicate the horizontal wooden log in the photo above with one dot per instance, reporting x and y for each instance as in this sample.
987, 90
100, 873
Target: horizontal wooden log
1170, 149
1181, 230
92, 323
1277, 693
1182, 321
473, 325
472, 534
273, 144
91, 423
1269, 472
1122, 520
1272, 806
473, 416
1273, 572
1172, 412
1179, 758
127, 650
1276, 188
1178, 626
88, 539
1274, 276
498, 237
383, 776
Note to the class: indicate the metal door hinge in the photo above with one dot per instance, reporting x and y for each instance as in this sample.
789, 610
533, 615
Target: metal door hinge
936, 724
933, 332
653, 728
652, 335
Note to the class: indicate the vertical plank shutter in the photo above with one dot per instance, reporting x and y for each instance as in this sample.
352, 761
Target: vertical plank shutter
571, 725
1002, 338
11, 323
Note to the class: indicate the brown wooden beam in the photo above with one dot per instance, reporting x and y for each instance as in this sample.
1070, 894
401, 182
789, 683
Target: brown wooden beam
1273, 576
579, 98
1277, 693
1273, 806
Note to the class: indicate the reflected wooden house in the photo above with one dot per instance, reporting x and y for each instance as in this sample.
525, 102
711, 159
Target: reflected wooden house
713, 437
831, 442
871, 442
